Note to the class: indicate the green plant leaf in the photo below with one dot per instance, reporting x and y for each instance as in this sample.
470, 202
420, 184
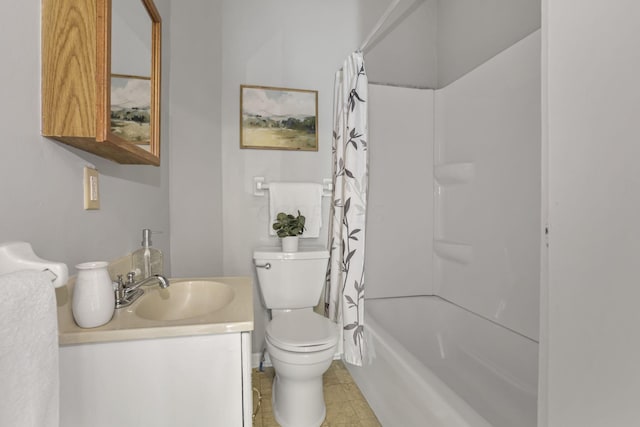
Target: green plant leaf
289, 225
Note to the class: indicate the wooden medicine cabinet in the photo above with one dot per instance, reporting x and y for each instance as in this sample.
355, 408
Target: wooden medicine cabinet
101, 77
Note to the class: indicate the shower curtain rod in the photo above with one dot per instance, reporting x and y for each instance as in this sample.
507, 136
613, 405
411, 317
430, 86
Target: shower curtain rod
379, 25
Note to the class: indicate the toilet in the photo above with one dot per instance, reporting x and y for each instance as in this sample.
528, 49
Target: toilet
301, 343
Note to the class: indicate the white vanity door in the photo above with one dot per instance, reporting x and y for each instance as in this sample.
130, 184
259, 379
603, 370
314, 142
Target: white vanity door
183, 381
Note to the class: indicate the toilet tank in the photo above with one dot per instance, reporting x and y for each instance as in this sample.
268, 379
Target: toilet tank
294, 279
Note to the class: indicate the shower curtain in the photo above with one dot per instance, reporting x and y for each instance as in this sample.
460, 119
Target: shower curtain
345, 275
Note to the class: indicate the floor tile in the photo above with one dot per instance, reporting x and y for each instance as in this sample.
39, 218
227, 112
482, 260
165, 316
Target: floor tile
362, 409
340, 412
334, 393
352, 392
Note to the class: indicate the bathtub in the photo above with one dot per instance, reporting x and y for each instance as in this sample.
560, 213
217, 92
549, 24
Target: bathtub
432, 363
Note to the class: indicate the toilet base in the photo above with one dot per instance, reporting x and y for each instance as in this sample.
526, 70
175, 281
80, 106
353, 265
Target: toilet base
297, 394
298, 406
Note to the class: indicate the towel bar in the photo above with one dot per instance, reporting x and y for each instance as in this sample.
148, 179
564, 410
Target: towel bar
16, 256
259, 186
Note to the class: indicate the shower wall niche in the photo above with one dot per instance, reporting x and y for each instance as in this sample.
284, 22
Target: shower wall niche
455, 190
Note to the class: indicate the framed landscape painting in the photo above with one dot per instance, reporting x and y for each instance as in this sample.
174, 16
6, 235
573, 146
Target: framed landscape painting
278, 118
131, 108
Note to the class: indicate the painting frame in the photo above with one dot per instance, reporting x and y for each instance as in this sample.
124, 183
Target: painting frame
277, 118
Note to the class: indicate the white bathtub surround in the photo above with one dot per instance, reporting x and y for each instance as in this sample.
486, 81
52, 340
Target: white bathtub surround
487, 194
455, 370
348, 213
400, 184
29, 350
482, 259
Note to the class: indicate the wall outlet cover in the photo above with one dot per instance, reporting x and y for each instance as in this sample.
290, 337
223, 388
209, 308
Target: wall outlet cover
91, 189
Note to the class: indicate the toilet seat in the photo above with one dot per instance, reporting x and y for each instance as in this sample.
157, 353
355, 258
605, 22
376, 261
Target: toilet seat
302, 332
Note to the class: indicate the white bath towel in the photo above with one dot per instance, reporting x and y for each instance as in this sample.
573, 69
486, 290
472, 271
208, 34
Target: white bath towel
291, 197
29, 381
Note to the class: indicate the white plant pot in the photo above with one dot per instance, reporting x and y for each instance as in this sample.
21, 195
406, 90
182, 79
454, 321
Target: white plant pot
290, 244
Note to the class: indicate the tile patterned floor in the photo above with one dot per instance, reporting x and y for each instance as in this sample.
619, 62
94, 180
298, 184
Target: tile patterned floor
346, 407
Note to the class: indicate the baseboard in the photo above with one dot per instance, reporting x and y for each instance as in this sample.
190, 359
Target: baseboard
255, 359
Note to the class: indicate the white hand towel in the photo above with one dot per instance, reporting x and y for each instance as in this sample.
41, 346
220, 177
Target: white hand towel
29, 385
291, 197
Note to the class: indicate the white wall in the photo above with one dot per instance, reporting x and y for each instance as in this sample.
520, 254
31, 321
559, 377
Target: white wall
283, 43
196, 165
41, 180
130, 38
590, 353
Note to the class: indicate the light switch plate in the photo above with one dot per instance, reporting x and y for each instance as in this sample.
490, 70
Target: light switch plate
91, 189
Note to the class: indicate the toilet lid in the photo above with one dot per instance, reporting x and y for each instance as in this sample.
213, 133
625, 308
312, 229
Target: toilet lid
302, 331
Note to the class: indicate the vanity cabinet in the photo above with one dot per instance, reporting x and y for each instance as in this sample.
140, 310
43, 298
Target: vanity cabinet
193, 381
101, 77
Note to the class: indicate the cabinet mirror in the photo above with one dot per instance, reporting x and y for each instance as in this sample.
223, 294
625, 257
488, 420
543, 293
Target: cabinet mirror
101, 77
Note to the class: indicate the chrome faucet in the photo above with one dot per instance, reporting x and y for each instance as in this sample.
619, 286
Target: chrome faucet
129, 291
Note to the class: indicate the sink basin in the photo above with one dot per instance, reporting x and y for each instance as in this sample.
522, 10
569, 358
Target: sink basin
184, 299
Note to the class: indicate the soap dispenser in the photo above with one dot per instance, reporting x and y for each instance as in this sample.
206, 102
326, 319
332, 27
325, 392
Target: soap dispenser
147, 261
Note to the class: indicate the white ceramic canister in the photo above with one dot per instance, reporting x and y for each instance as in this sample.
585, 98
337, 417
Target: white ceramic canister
93, 300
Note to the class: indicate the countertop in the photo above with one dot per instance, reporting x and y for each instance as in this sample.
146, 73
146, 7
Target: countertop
237, 316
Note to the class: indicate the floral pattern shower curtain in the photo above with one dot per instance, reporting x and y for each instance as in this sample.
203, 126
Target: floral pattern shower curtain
345, 276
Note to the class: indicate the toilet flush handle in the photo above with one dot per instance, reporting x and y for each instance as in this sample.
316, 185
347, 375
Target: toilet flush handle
266, 266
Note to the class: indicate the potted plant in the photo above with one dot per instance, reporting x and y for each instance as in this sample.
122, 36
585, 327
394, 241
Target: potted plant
288, 228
